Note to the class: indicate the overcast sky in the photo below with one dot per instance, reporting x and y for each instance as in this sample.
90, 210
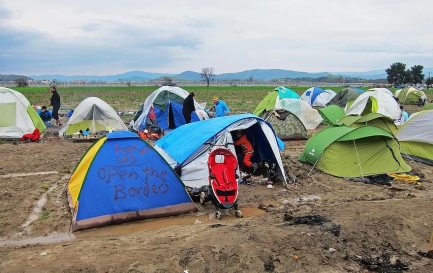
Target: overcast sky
105, 37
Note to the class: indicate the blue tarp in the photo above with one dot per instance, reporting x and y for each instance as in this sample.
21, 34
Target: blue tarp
185, 140
163, 118
128, 175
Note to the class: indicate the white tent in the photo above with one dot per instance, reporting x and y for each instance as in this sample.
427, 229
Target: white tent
416, 136
316, 96
17, 117
309, 116
95, 114
167, 103
417, 128
375, 100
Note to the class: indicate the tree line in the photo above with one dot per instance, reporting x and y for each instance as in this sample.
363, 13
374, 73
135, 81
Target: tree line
397, 74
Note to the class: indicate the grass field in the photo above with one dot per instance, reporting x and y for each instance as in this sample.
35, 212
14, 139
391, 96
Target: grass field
239, 98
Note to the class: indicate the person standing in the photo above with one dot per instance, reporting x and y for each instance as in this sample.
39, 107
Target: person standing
55, 102
188, 107
221, 108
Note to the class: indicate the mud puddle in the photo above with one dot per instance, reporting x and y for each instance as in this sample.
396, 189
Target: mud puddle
127, 228
155, 224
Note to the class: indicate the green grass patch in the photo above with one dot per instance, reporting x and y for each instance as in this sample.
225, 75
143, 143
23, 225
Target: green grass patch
239, 98
45, 214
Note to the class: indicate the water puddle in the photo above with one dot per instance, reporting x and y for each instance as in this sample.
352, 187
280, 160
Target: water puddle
9, 175
127, 228
159, 223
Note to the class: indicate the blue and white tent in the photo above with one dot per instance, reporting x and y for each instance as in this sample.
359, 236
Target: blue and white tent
122, 178
188, 146
316, 96
167, 103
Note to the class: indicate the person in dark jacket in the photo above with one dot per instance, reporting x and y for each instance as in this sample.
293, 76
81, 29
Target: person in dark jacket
55, 102
188, 107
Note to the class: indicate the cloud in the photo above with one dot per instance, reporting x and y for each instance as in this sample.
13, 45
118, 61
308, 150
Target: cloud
109, 37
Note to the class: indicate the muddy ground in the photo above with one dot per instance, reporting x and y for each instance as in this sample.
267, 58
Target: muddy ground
356, 227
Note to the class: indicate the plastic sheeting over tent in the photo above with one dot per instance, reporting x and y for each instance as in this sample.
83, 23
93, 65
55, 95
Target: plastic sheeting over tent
167, 103
354, 152
95, 114
410, 95
316, 96
17, 116
289, 101
416, 136
375, 100
309, 116
188, 146
122, 178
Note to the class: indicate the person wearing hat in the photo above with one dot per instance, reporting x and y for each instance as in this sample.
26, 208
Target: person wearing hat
221, 108
188, 107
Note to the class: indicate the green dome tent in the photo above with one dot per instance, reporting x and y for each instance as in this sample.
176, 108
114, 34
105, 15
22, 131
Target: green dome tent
409, 95
268, 102
354, 152
331, 114
371, 119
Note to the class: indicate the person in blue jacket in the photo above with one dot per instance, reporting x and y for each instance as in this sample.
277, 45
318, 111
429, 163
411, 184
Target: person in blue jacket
45, 115
221, 108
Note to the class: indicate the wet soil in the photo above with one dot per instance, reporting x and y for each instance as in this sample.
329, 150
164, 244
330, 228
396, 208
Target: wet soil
387, 225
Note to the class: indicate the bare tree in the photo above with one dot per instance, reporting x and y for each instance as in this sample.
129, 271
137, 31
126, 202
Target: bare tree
207, 73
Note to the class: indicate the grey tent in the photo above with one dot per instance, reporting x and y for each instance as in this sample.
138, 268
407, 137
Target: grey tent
345, 95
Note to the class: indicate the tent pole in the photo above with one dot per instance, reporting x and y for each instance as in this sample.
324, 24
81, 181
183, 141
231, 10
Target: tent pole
314, 165
410, 158
357, 156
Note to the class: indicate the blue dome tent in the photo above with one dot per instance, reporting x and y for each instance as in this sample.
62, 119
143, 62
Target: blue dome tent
188, 146
316, 96
122, 178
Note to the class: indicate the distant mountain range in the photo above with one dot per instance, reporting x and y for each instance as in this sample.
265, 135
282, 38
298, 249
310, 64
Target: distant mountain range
12, 77
256, 74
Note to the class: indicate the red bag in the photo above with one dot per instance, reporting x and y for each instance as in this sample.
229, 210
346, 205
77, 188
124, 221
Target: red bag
35, 136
